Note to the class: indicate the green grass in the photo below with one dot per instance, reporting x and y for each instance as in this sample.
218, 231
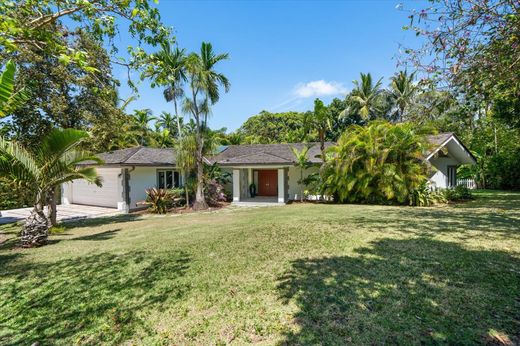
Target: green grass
300, 274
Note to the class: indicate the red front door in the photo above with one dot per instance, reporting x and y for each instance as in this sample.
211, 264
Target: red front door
268, 182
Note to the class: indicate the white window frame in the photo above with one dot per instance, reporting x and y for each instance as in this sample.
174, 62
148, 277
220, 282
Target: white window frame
165, 171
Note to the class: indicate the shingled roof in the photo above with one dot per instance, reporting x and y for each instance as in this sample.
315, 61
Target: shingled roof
138, 156
265, 154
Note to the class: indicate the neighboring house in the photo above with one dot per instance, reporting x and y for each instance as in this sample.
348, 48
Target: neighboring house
447, 154
126, 173
271, 168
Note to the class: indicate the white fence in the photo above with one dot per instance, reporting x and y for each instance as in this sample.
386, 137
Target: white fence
469, 183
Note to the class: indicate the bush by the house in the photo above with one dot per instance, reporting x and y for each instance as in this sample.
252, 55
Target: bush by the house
162, 200
424, 196
380, 163
457, 194
215, 193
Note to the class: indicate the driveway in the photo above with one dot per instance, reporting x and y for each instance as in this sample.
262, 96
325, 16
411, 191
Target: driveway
65, 212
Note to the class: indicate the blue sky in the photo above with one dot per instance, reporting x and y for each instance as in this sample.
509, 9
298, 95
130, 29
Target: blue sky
284, 53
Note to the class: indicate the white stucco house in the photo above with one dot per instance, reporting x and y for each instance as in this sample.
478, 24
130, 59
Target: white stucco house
127, 173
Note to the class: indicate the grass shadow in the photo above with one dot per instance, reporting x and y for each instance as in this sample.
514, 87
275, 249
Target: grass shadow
106, 235
100, 221
101, 298
416, 291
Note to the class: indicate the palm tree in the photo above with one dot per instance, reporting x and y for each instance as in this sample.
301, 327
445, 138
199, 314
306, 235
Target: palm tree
53, 163
9, 99
377, 163
166, 121
321, 121
302, 161
186, 157
171, 73
364, 98
402, 90
204, 84
212, 80
142, 118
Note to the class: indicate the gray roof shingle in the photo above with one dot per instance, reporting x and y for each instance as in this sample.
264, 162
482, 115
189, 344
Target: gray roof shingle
138, 156
265, 154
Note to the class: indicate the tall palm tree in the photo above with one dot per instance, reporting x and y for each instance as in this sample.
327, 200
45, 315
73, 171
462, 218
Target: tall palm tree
204, 83
142, 118
364, 98
53, 163
171, 73
403, 91
212, 80
302, 161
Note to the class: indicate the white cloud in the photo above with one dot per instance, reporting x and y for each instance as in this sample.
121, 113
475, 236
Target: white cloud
319, 88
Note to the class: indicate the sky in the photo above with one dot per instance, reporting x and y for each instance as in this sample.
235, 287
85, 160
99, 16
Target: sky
283, 54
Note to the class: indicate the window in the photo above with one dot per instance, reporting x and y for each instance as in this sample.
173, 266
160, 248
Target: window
452, 176
168, 179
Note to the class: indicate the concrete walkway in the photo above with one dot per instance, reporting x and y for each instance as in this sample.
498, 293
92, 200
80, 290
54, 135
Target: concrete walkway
65, 212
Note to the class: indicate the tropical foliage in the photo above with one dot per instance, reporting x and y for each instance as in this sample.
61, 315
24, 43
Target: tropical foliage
9, 98
52, 163
377, 163
302, 162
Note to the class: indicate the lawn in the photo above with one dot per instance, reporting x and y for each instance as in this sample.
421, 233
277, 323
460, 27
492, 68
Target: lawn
299, 274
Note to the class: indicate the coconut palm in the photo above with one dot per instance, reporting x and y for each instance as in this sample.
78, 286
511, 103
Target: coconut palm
204, 83
364, 98
302, 161
53, 163
403, 91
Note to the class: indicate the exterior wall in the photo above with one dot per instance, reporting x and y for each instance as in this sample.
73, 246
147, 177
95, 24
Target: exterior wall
294, 177
142, 178
440, 178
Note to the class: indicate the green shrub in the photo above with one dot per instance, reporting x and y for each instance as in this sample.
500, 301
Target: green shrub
424, 196
459, 193
159, 199
379, 163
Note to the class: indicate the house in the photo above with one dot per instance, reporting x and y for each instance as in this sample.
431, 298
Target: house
126, 173
271, 168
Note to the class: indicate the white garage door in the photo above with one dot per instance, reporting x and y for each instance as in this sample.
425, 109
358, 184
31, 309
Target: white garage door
105, 196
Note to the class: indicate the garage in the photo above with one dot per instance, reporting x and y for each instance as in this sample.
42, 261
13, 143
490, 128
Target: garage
106, 196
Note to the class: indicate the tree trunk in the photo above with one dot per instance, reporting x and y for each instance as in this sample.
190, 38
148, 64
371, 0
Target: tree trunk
186, 189
179, 130
52, 207
35, 231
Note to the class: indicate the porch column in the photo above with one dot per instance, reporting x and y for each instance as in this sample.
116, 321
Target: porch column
249, 180
281, 185
236, 185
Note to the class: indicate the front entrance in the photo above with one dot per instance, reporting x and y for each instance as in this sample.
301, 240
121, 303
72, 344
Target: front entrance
268, 182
